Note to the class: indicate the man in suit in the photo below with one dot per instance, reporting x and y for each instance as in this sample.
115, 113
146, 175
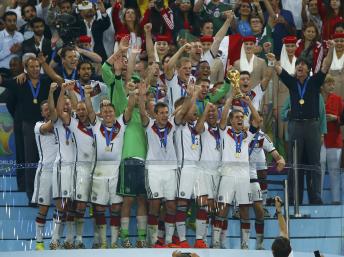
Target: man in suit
38, 43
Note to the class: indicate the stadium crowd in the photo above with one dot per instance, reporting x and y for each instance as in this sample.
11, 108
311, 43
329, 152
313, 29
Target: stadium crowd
164, 103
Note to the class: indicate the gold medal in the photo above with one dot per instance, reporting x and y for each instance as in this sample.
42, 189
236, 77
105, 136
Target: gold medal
301, 101
35, 101
67, 142
194, 146
108, 149
237, 155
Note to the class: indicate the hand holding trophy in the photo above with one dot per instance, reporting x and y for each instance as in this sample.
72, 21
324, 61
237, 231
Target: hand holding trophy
234, 77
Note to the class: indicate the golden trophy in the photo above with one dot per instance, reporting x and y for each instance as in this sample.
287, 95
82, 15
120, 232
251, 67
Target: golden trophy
234, 77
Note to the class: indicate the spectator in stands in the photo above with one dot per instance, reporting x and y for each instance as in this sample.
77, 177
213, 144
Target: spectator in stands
304, 93
207, 28
92, 26
108, 34
330, 14
28, 13
185, 18
337, 65
212, 12
309, 47
331, 149
10, 40
128, 24
161, 18
27, 99
38, 42
282, 22
310, 13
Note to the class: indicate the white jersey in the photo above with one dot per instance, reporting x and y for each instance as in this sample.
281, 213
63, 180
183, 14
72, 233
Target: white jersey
66, 151
99, 92
47, 145
83, 138
211, 148
176, 89
260, 143
112, 152
161, 146
188, 145
239, 157
209, 57
256, 96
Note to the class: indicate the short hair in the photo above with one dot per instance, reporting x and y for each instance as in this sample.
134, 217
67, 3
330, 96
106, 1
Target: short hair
34, 58
102, 105
245, 72
305, 61
179, 102
65, 50
183, 60
206, 21
256, 17
61, 2
43, 103
159, 105
199, 81
165, 57
36, 20
281, 247
27, 5
233, 112
78, 67
339, 24
329, 78
9, 13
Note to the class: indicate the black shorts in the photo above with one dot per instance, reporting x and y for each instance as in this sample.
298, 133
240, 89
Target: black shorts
131, 179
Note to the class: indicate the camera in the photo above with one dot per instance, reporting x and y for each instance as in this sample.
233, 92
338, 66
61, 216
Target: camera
67, 29
159, 4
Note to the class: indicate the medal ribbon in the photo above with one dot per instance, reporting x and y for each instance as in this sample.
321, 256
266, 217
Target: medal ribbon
81, 90
304, 88
238, 141
108, 136
157, 93
216, 134
254, 142
182, 88
219, 113
163, 137
67, 132
34, 91
193, 134
245, 107
65, 75
200, 106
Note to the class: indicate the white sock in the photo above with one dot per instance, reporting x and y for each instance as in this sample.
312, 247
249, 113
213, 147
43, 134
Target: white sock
79, 228
39, 232
169, 231
57, 230
114, 234
70, 231
181, 229
259, 241
223, 238
142, 227
264, 196
245, 236
96, 239
102, 233
201, 228
216, 237
152, 233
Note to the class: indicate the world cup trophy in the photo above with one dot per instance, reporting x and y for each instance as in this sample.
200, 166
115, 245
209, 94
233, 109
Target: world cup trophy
234, 77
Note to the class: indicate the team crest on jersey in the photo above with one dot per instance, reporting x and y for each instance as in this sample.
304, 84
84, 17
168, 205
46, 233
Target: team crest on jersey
83, 128
115, 132
220, 198
182, 193
156, 194
41, 200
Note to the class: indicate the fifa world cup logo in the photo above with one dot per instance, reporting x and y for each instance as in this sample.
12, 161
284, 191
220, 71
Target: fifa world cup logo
234, 77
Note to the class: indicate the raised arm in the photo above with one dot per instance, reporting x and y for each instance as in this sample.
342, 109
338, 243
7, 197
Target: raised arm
189, 101
94, 57
135, 51
254, 112
149, 42
89, 107
46, 127
142, 104
198, 6
173, 61
48, 70
277, 65
268, 72
221, 92
280, 162
281, 222
51, 103
64, 116
200, 122
226, 108
329, 57
222, 33
269, 9
304, 15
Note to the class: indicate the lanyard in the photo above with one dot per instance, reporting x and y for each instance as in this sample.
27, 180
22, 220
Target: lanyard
302, 90
245, 107
157, 93
108, 136
254, 142
163, 138
182, 88
219, 113
238, 141
67, 133
193, 134
34, 91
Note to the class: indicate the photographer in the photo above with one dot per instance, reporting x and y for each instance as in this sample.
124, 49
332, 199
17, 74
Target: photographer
160, 17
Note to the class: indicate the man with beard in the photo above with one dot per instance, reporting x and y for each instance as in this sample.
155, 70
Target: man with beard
304, 94
38, 42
